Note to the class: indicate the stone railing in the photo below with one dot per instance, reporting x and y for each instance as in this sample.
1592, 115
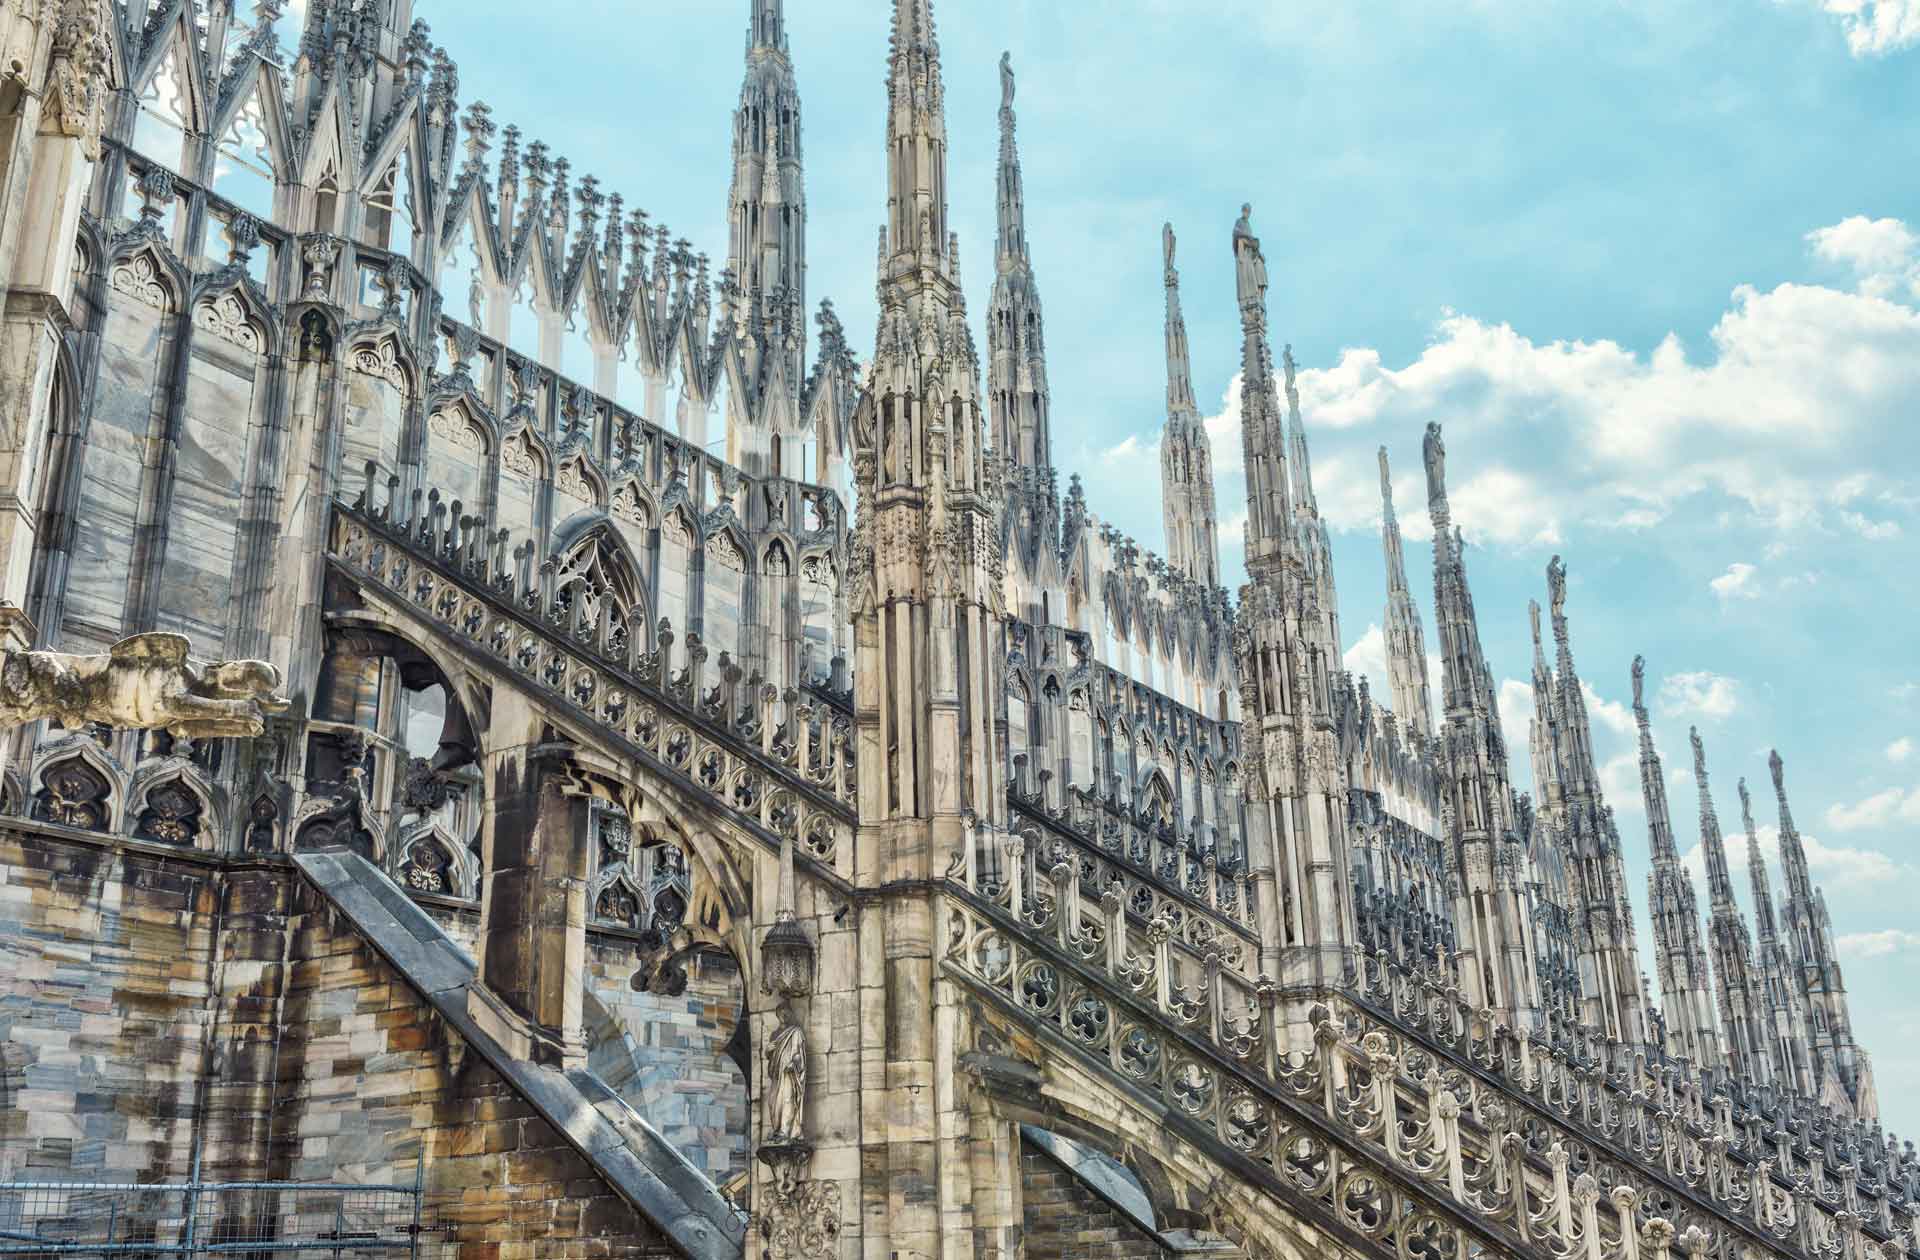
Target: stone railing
1144, 849
1605, 1101
1392, 1138
778, 763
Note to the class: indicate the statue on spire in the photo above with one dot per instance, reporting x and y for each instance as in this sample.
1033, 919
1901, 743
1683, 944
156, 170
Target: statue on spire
1386, 484
1166, 244
1006, 80
1699, 755
1779, 768
1435, 451
1557, 588
1639, 684
1252, 278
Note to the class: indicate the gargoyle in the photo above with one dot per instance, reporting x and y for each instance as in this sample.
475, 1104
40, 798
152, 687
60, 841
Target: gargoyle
145, 682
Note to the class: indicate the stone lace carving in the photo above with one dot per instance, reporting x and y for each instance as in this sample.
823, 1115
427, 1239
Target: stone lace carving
629, 507
146, 682
574, 481
723, 551
226, 317
519, 458
171, 816
139, 278
804, 1220
74, 794
458, 432
382, 362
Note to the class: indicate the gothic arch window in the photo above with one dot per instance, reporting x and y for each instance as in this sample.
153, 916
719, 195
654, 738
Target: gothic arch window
463, 278
243, 165
597, 581
644, 883
390, 221
165, 112
326, 199
75, 793
429, 866
172, 812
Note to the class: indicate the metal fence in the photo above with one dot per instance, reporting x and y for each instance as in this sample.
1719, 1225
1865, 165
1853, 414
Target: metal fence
230, 1219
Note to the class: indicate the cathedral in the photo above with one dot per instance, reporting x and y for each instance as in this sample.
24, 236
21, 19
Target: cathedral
447, 806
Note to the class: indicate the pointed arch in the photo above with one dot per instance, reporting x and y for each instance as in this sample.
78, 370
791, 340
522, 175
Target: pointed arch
599, 582
77, 784
147, 272
236, 315
429, 860
633, 503
579, 478
250, 150
170, 803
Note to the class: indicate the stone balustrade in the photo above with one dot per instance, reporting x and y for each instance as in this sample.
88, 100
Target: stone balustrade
1409, 1144
780, 763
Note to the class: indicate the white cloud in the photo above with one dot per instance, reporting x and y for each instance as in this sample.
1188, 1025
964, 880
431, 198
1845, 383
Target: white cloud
1876, 944
1838, 867
1610, 714
1736, 583
1791, 414
1903, 692
1900, 749
1878, 810
1875, 28
1879, 252
1368, 657
1699, 693
1620, 781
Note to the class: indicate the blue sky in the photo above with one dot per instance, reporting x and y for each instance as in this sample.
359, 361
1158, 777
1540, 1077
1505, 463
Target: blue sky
1648, 262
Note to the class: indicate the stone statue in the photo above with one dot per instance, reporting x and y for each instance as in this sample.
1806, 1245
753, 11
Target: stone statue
1166, 245
1557, 588
1639, 682
1435, 451
1699, 754
1252, 278
1006, 80
146, 682
786, 1095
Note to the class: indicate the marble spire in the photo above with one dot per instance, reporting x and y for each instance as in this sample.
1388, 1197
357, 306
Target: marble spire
1186, 452
1016, 332
1405, 634
1680, 957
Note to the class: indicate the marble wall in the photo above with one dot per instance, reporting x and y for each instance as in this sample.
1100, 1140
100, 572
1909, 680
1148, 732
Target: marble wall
196, 576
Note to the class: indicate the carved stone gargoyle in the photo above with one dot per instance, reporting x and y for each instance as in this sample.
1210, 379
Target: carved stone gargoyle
145, 682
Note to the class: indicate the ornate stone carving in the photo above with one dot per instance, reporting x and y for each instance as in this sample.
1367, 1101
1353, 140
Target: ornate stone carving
382, 362
74, 793
146, 682
453, 428
139, 278
226, 317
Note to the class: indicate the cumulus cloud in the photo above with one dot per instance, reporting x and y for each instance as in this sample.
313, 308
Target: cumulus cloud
1834, 867
1903, 692
1880, 253
1699, 693
1736, 583
1368, 658
1791, 413
1876, 944
1878, 810
1900, 750
1875, 28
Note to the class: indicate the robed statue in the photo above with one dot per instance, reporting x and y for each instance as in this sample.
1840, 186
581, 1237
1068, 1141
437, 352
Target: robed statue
1639, 682
1557, 589
786, 1096
1252, 265
146, 682
1435, 451
1006, 80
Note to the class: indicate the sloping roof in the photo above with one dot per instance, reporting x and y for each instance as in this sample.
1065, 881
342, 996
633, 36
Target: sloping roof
628, 1153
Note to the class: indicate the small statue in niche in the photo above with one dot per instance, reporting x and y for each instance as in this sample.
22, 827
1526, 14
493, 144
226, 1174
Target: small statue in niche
786, 1096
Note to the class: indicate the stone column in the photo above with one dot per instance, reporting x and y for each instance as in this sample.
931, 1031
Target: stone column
533, 908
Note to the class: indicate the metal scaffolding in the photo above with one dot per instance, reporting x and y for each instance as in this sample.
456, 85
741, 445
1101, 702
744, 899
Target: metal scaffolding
230, 1219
